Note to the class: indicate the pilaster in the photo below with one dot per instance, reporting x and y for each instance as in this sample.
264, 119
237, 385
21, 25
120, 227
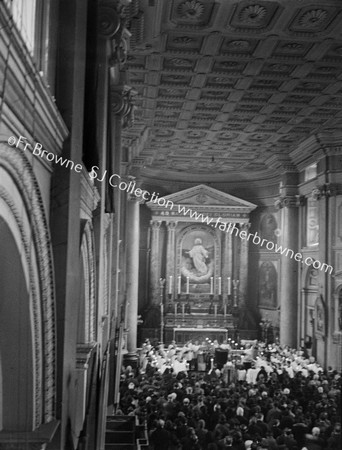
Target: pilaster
243, 272
170, 262
155, 262
132, 268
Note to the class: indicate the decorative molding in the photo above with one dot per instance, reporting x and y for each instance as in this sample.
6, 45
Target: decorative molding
155, 224
191, 9
90, 197
83, 355
89, 267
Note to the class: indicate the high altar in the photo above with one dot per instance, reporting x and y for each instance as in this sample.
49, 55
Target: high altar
198, 264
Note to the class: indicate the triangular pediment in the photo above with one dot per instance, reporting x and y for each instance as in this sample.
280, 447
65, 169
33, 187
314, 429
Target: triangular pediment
203, 195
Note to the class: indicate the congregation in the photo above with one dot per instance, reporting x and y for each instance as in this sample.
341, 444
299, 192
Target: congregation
262, 397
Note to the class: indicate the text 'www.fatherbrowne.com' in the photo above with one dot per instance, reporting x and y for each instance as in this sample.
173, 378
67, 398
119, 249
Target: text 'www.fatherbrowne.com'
115, 181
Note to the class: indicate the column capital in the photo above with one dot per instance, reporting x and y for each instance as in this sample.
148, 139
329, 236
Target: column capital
121, 102
245, 226
136, 198
171, 225
289, 201
108, 20
155, 224
324, 190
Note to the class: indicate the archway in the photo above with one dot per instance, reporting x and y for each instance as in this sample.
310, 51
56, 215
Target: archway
27, 299
16, 346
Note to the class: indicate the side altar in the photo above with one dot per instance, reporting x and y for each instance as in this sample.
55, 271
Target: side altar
198, 264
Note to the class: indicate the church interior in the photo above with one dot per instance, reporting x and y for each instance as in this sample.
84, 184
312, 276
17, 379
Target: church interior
170, 173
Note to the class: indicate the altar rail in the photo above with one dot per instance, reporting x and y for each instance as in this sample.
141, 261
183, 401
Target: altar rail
184, 334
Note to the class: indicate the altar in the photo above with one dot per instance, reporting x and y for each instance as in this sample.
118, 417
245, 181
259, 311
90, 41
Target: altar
198, 273
183, 334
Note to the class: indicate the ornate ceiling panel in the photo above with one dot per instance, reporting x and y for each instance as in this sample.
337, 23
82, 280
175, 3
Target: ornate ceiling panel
224, 86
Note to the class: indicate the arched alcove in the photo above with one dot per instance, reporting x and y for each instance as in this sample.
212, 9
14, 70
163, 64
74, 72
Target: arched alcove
16, 346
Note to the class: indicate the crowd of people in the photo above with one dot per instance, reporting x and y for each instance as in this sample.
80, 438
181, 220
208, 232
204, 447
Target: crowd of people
262, 397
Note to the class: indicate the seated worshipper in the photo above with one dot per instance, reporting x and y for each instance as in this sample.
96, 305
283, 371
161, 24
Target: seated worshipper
160, 438
334, 441
202, 433
313, 441
287, 440
190, 441
225, 443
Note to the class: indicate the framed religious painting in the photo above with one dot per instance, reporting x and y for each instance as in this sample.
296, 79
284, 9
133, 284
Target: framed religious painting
268, 285
320, 318
198, 260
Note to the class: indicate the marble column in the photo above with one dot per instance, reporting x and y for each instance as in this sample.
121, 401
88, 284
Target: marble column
170, 257
155, 263
243, 270
132, 270
236, 253
288, 276
227, 256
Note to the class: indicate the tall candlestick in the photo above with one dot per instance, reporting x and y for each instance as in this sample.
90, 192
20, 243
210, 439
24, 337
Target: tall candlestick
229, 286
219, 286
179, 285
187, 285
170, 285
211, 285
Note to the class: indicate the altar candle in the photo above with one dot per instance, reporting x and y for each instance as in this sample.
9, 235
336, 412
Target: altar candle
187, 285
219, 286
229, 287
170, 285
211, 285
179, 285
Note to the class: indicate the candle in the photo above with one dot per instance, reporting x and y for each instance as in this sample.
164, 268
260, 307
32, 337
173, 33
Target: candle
179, 285
187, 285
219, 285
211, 285
229, 287
170, 285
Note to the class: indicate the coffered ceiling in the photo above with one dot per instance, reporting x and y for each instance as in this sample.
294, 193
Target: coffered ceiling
227, 89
